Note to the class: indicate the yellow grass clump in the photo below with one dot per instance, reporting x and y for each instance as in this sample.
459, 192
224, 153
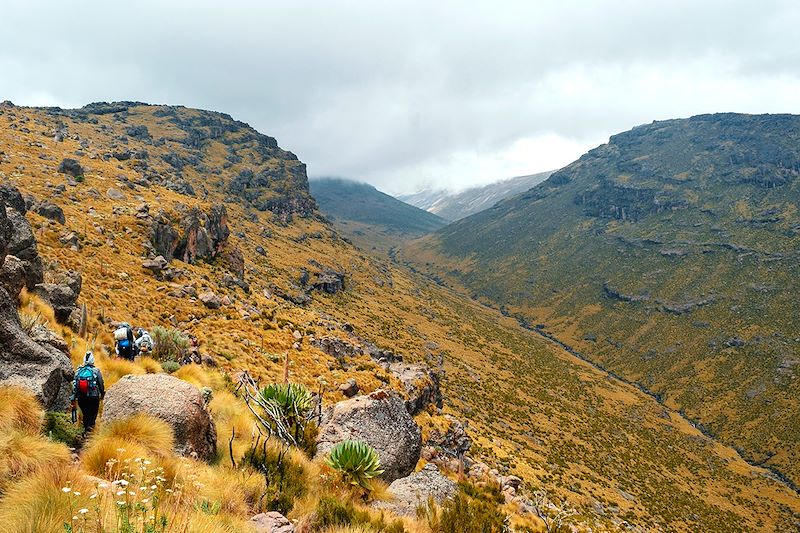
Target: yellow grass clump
199, 377
150, 365
115, 368
38, 504
20, 410
22, 454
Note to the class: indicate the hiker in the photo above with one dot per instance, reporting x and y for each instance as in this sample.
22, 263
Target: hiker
87, 391
126, 346
143, 342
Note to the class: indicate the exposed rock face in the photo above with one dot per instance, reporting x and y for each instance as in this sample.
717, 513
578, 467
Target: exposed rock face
380, 420
421, 385
415, 490
174, 401
452, 442
44, 370
23, 246
62, 293
202, 237
12, 276
271, 522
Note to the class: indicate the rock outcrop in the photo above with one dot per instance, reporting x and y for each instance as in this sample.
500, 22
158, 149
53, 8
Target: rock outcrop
22, 245
62, 290
420, 384
380, 420
200, 236
174, 401
43, 369
415, 490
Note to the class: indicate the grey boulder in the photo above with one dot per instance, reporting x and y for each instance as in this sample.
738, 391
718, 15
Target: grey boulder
410, 492
174, 401
382, 421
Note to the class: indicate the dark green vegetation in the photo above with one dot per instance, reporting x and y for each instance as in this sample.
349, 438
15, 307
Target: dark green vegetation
332, 512
369, 217
669, 256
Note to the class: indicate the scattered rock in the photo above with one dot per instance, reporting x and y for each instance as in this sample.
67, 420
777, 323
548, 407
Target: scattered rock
415, 490
155, 265
70, 167
172, 400
210, 300
23, 246
380, 420
271, 522
51, 211
116, 194
349, 388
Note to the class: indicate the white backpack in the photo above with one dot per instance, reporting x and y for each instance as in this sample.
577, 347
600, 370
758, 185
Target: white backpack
121, 333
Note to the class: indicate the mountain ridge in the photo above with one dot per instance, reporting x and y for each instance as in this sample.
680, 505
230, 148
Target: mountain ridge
670, 240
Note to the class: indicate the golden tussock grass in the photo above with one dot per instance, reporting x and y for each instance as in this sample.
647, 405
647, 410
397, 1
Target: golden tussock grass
115, 446
38, 504
199, 377
149, 365
232, 419
114, 368
23, 454
20, 410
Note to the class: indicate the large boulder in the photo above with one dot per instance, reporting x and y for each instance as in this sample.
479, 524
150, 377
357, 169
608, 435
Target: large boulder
421, 385
380, 420
43, 369
71, 167
51, 211
415, 490
176, 402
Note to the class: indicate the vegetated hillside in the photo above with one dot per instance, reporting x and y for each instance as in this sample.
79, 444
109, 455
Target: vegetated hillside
455, 206
370, 218
670, 256
285, 282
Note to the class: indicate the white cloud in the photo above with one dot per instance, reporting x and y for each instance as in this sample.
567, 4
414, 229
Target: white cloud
404, 94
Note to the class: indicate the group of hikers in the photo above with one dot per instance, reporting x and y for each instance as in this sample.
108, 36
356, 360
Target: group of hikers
88, 388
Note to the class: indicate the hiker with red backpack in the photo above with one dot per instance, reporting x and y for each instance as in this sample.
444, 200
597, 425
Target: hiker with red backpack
87, 391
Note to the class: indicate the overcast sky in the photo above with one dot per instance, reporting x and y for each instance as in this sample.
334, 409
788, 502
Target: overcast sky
407, 95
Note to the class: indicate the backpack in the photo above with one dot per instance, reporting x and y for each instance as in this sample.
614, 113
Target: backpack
86, 378
124, 346
121, 333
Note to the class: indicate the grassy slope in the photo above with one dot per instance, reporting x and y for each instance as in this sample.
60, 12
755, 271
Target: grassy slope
533, 408
369, 217
710, 214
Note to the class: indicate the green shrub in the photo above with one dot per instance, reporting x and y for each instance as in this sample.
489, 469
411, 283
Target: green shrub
170, 366
473, 510
169, 344
332, 512
59, 427
356, 462
286, 480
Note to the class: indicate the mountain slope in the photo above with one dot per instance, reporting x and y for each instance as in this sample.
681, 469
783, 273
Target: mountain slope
596, 445
455, 206
668, 255
369, 217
